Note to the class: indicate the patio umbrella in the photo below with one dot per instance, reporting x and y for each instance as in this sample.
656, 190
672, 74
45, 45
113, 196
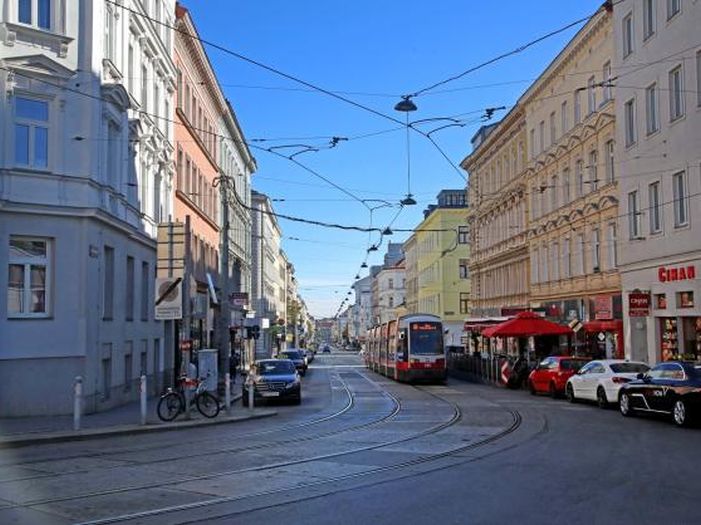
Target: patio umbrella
526, 324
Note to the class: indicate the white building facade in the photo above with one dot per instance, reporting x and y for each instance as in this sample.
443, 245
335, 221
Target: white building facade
657, 71
85, 177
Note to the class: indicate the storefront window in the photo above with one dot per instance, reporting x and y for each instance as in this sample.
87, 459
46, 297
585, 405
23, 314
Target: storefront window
692, 338
660, 301
670, 338
685, 299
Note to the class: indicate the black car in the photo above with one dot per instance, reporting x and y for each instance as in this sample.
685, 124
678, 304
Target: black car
297, 357
672, 388
273, 379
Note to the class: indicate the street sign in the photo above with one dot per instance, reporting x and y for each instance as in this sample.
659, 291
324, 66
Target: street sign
505, 372
601, 336
170, 251
169, 299
238, 299
638, 304
575, 325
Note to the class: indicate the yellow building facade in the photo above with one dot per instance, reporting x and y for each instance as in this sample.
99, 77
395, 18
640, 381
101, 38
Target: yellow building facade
439, 257
572, 189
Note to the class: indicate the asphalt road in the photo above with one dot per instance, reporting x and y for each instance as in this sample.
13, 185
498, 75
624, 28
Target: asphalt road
363, 449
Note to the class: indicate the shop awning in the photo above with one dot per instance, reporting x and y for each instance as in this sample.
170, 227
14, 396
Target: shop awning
477, 324
526, 324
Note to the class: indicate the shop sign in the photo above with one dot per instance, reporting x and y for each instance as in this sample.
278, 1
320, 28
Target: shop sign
638, 304
681, 273
603, 307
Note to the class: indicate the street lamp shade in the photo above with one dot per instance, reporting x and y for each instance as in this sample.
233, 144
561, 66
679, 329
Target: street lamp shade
405, 105
408, 200
357, 276
387, 231
364, 265
372, 248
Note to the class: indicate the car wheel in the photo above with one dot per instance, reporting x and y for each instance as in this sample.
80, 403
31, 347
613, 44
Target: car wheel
569, 393
680, 413
601, 398
624, 405
552, 391
531, 388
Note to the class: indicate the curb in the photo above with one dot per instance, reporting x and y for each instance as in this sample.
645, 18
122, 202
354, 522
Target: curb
125, 430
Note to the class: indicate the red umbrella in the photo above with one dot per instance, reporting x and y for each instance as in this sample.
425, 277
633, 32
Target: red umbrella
526, 324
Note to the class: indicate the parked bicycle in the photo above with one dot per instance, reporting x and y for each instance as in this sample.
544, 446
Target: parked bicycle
172, 402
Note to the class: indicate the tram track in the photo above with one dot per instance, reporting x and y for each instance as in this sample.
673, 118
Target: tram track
455, 417
516, 421
350, 403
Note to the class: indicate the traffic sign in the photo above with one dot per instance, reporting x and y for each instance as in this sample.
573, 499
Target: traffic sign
169, 300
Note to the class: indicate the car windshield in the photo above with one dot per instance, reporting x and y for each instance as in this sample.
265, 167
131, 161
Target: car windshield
572, 364
269, 368
292, 354
629, 368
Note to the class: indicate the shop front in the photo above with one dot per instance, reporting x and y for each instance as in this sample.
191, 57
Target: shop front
668, 325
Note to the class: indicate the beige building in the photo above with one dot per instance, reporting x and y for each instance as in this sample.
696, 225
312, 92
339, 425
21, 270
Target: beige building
658, 108
498, 263
571, 180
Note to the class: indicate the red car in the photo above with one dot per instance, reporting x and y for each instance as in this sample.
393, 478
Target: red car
552, 373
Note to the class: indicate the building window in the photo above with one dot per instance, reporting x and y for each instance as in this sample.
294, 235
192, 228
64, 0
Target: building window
555, 252
390, 283
612, 246
579, 177
681, 211
676, 93
179, 170
36, 13
145, 279
591, 95
391, 302
541, 136
553, 131
651, 109
108, 284
129, 291
698, 78
544, 277
685, 299
532, 136
128, 365
143, 364
649, 18
130, 69
593, 170
107, 373
563, 118
144, 88
31, 132
566, 186
534, 265
110, 35
464, 302
596, 250
610, 167
673, 8
577, 106
633, 215
566, 259
463, 235
580, 254
629, 122
29, 270
464, 271
627, 35
660, 301
553, 193
608, 88
655, 207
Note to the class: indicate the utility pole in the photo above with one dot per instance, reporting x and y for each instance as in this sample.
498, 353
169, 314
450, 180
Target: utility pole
225, 282
187, 313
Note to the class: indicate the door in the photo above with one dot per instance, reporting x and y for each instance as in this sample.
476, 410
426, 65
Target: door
647, 395
580, 380
592, 378
542, 374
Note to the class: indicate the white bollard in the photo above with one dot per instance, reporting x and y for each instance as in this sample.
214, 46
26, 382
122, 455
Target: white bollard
251, 397
227, 392
142, 395
77, 401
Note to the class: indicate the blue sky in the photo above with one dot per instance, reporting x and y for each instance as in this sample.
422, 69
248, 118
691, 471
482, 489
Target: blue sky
373, 51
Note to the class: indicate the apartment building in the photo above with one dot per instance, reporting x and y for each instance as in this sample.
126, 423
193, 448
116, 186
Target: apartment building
657, 66
572, 184
86, 174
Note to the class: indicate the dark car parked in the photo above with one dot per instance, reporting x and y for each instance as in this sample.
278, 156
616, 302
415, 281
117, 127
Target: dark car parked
273, 379
672, 388
297, 357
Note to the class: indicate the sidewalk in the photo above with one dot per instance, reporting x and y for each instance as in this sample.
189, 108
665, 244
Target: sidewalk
123, 420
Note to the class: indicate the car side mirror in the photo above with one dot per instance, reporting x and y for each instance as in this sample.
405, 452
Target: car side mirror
640, 375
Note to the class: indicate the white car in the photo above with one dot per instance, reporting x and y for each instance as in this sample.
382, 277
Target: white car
600, 380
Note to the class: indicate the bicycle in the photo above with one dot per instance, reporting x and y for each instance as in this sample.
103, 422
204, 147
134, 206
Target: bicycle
172, 402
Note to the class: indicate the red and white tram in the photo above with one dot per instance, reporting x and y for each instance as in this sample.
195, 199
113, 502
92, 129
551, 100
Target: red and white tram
409, 348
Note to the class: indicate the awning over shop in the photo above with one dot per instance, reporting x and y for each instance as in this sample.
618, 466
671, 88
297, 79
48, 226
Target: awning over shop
614, 325
526, 324
477, 324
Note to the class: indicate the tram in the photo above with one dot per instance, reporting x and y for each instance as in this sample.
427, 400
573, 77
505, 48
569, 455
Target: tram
409, 348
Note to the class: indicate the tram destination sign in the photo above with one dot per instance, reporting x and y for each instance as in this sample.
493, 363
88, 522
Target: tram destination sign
424, 327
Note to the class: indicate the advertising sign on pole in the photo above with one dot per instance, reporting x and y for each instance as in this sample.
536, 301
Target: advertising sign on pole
638, 304
169, 300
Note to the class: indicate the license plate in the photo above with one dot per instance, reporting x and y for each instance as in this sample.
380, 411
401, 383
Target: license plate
270, 394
